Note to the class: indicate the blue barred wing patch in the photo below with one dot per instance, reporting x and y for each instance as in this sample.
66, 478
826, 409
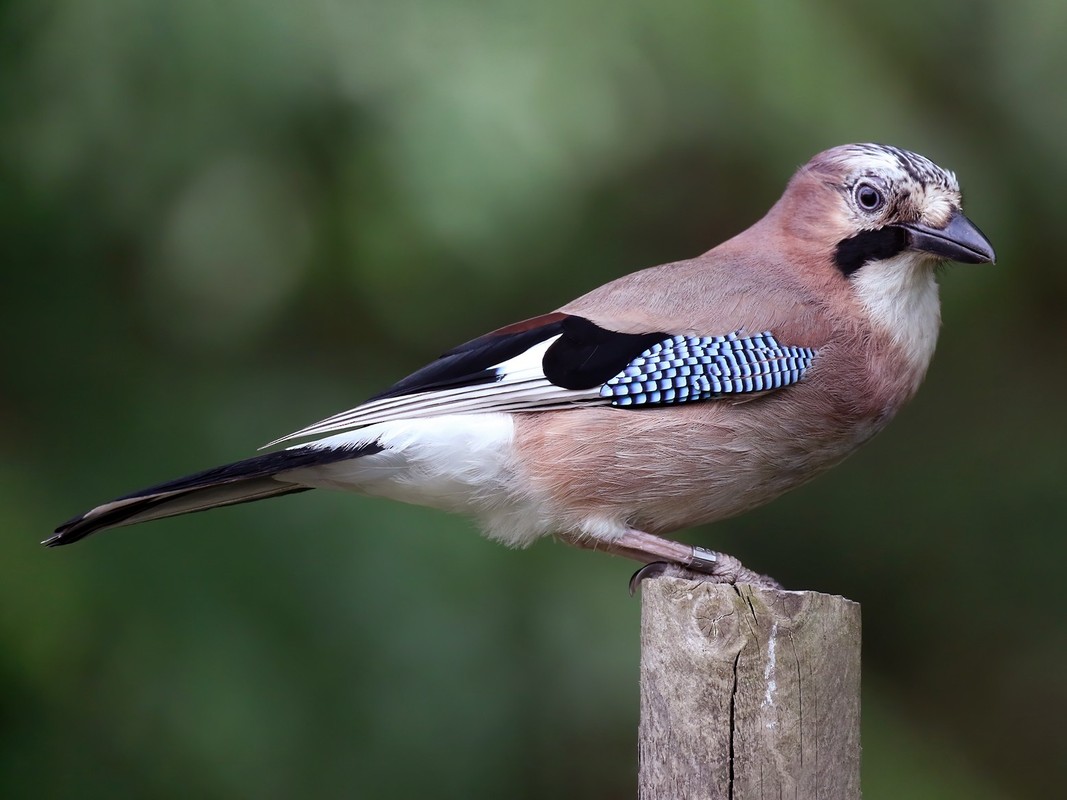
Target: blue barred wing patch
684, 369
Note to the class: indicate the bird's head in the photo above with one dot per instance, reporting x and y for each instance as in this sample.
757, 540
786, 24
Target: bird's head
882, 218
875, 203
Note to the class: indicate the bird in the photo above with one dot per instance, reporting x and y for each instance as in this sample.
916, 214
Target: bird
675, 396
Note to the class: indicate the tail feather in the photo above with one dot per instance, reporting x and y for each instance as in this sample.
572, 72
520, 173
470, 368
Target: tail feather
255, 478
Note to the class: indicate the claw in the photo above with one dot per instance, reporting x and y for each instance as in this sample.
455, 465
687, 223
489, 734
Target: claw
651, 570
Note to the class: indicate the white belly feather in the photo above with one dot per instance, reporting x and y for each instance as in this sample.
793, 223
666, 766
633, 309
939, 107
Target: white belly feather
460, 463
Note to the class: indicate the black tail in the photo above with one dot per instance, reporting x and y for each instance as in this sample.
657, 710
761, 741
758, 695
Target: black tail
240, 482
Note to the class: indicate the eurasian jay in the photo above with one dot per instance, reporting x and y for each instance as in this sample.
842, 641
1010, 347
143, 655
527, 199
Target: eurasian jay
674, 396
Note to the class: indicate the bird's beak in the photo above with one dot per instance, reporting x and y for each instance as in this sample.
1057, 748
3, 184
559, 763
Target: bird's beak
959, 240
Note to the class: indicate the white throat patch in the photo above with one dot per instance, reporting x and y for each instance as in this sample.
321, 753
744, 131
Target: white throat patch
900, 294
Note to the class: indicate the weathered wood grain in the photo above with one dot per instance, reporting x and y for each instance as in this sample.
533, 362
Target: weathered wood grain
748, 693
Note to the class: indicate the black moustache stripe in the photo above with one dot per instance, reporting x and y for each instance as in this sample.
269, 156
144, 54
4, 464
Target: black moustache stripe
868, 246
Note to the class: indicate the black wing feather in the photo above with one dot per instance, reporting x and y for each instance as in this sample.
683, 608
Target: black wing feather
471, 363
584, 356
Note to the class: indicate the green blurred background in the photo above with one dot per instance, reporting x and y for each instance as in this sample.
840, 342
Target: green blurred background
220, 221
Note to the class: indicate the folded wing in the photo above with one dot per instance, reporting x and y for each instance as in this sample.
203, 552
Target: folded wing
561, 360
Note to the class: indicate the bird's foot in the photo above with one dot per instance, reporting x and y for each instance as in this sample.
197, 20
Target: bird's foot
706, 566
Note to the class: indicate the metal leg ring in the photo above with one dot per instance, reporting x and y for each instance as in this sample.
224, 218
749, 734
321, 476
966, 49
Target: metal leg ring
704, 560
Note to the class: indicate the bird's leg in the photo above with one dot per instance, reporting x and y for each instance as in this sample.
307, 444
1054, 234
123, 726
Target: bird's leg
666, 557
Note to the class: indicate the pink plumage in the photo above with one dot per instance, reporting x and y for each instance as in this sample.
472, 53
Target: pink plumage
677, 395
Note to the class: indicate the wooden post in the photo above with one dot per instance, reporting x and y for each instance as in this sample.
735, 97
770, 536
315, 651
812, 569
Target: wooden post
748, 693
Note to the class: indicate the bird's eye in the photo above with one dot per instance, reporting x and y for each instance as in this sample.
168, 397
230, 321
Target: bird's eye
869, 198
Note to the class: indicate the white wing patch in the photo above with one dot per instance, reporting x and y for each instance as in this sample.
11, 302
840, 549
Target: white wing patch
521, 385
